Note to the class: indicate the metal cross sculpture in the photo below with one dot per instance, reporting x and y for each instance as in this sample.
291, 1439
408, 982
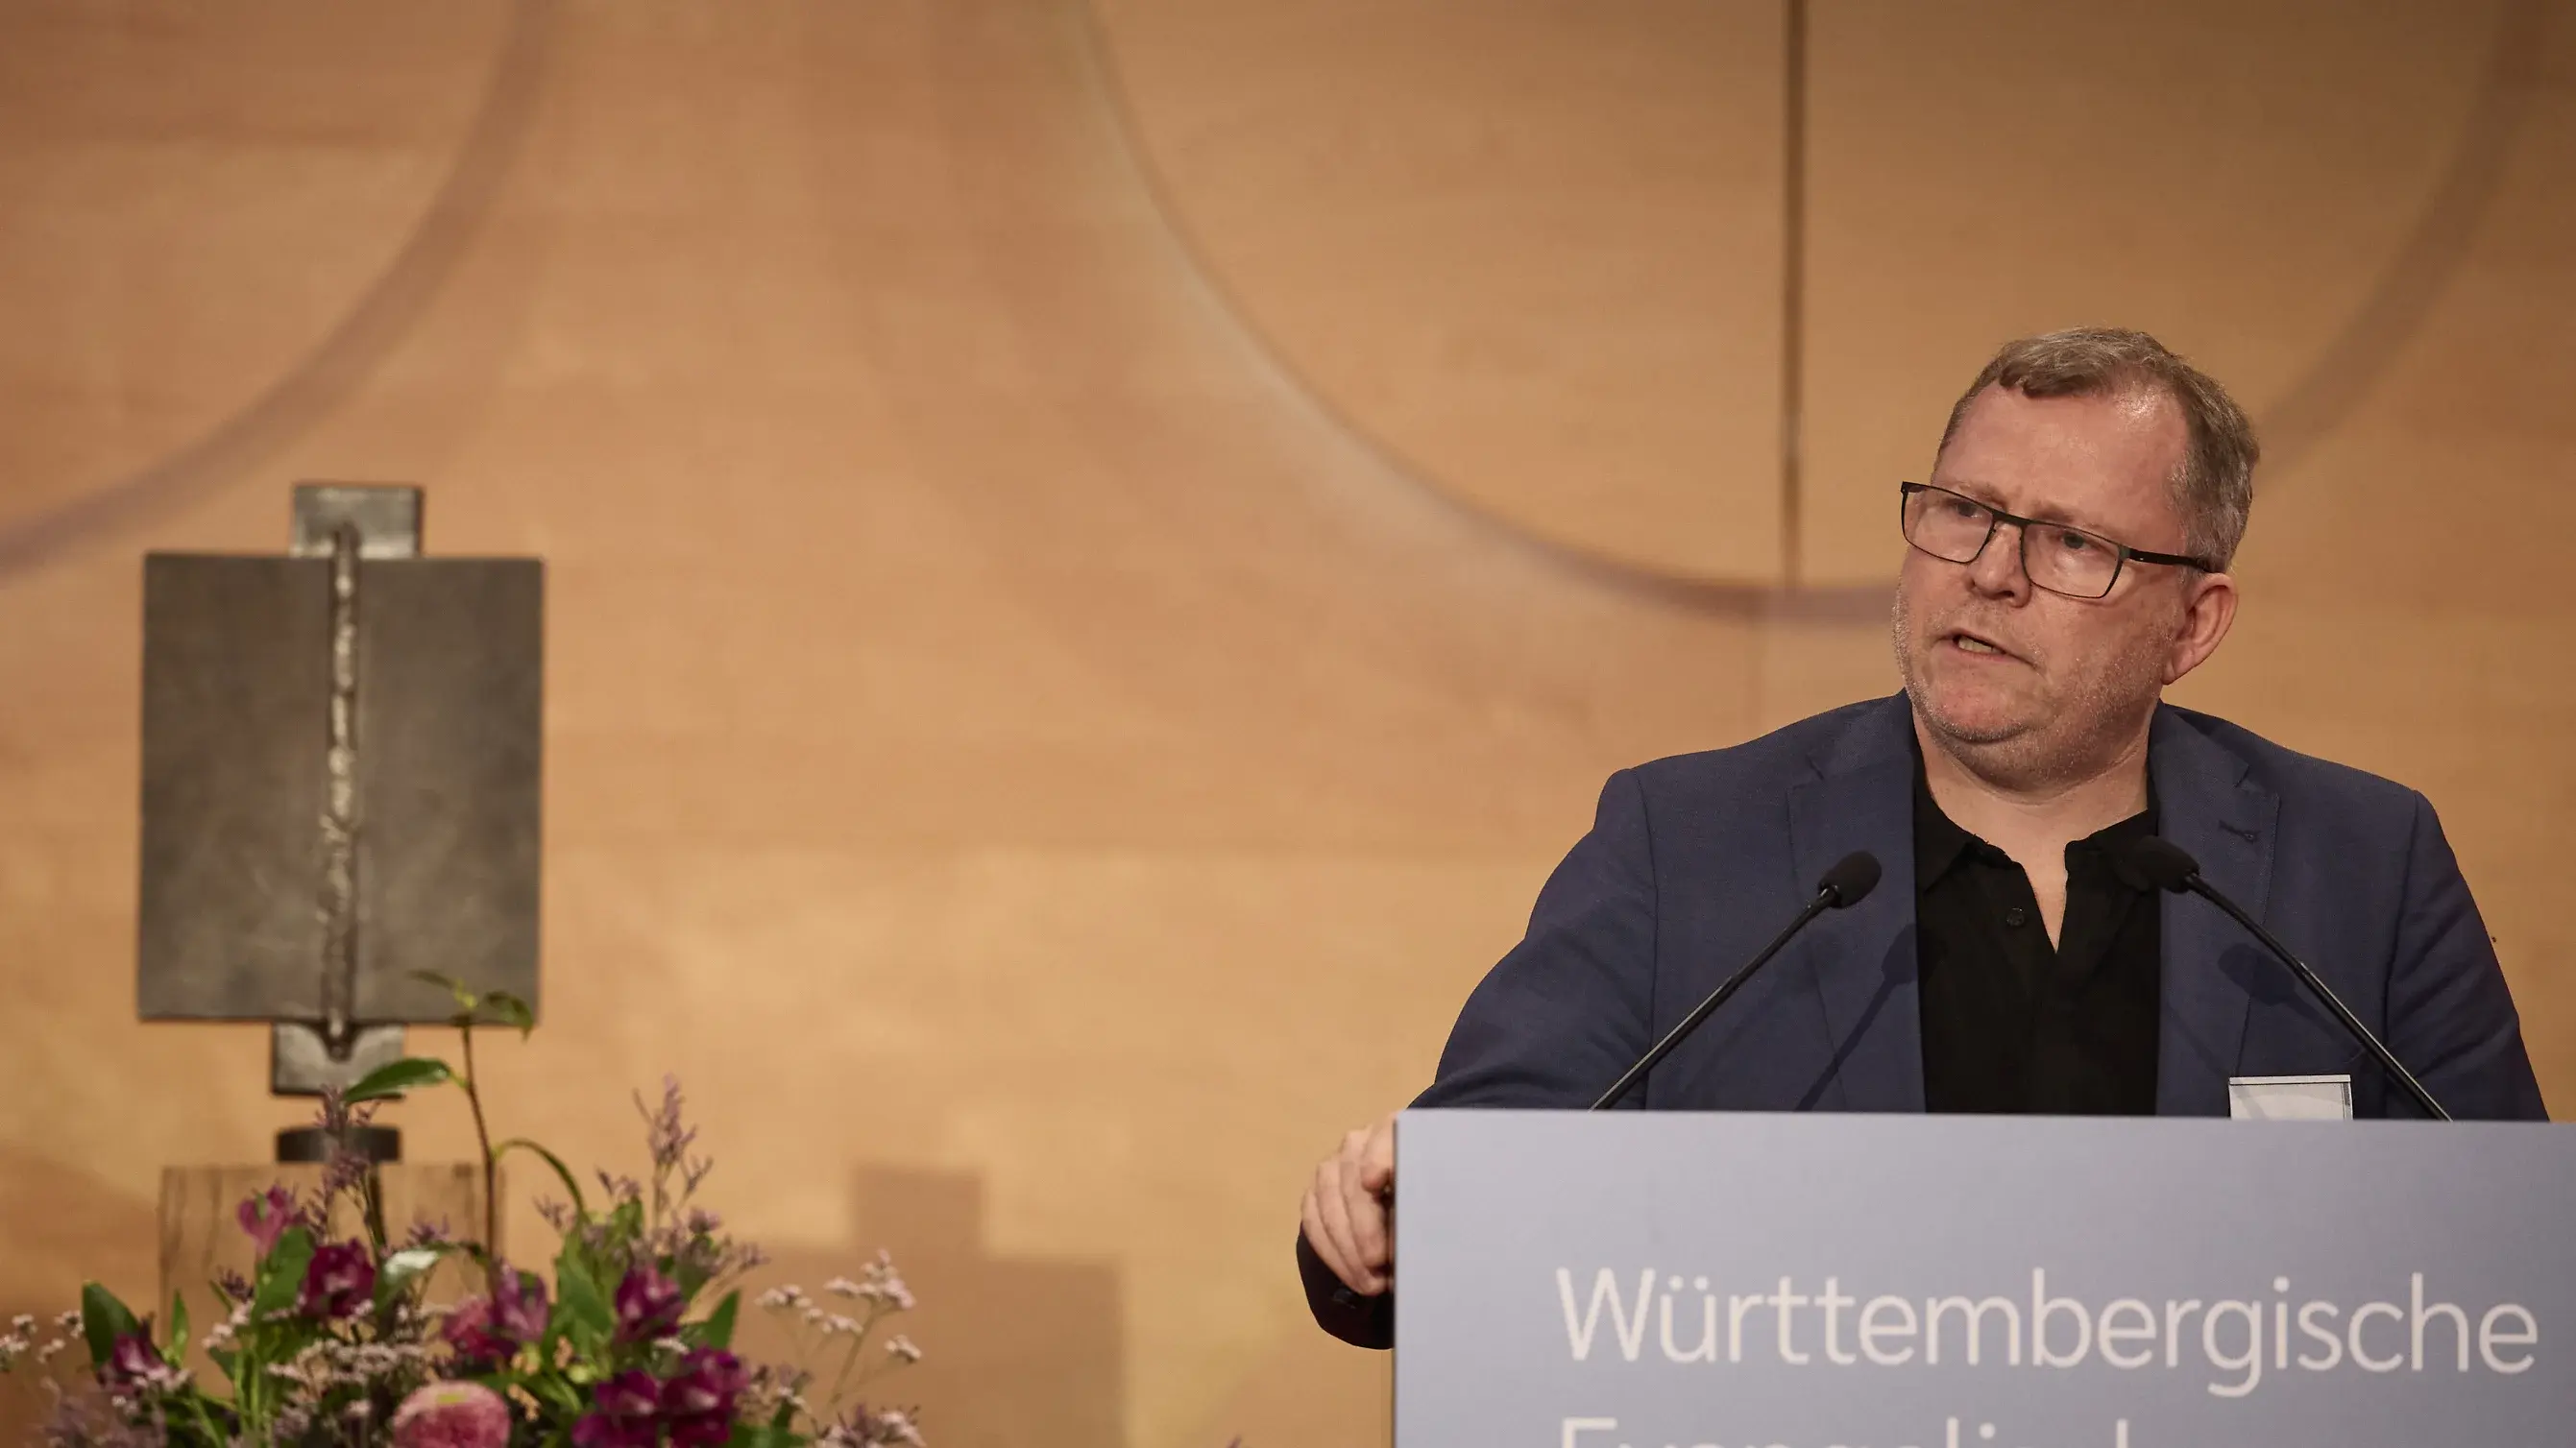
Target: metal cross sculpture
341, 759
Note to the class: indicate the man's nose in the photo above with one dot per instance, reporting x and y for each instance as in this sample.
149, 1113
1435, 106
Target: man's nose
1997, 567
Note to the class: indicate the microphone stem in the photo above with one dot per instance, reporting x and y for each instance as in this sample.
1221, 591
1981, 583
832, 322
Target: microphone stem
1689, 1023
2387, 1059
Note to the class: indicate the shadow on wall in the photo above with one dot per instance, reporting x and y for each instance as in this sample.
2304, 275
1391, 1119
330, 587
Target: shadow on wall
1018, 1353
1310, 1391
60, 1226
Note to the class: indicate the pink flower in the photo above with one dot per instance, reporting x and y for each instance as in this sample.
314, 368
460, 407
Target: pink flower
135, 1363
267, 1216
468, 1330
452, 1415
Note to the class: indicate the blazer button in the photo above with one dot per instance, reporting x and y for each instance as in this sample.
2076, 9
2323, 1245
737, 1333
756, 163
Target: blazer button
2016, 917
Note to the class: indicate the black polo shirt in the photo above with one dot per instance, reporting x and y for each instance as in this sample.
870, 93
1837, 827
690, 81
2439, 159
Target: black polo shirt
2010, 1022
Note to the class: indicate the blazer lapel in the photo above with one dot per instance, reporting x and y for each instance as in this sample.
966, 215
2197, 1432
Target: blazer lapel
2206, 803
1862, 959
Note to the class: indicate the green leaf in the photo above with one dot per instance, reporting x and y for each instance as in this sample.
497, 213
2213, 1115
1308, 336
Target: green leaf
508, 1010
581, 1307
761, 1435
716, 1328
281, 1273
208, 1433
571, 1183
178, 1326
466, 1000
402, 1268
393, 1078
104, 1319
553, 1388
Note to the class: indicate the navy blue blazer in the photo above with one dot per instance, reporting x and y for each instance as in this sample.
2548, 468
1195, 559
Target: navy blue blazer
1696, 861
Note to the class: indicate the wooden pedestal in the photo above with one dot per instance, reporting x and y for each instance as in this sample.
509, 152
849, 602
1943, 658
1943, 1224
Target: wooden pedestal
201, 1233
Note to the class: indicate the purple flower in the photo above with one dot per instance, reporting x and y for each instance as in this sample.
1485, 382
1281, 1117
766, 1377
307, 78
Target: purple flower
339, 1281
519, 1306
664, 1133
699, 1400
267, 1216
701, 1432
648, 1304
624, 1413
491, 1330
347, 1166
452, 1415
426, 1233
863, 1428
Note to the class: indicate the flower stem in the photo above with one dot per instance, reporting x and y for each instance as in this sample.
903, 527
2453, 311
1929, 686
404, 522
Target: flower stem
491, 1163
849, 1360
206, 1421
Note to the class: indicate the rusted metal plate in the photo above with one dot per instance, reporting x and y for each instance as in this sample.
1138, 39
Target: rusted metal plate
236, 700
234, 692
450, 700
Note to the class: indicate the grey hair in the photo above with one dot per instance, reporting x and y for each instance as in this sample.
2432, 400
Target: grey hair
2215, 486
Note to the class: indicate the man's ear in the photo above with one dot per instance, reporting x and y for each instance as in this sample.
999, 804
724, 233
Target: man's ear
2209, 610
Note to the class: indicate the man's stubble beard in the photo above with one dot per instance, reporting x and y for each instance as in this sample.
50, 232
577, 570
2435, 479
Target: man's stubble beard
2073, 736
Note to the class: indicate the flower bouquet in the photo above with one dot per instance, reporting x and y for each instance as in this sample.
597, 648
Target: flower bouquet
333, 1341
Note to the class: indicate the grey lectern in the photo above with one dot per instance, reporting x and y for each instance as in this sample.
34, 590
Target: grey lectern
1651, 1280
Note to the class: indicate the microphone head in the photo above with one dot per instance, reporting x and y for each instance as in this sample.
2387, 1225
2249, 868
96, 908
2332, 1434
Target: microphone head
2157, 861
1851, 879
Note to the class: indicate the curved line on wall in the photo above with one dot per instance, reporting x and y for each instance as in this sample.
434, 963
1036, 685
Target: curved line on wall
2350, 364
382, 316
2444, 229
1694, 592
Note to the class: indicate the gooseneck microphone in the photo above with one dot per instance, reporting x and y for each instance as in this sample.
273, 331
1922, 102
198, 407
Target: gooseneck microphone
2168, 866
1845, 885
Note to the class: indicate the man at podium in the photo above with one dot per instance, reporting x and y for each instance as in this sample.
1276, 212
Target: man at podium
2067, 560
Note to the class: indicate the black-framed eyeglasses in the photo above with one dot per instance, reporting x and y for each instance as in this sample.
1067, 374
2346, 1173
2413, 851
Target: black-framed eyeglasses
1955, 528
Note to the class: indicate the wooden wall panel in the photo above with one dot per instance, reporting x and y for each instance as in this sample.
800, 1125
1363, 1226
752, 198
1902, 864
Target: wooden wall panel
1037, 770
1532, 248
996, 731
2237, 179
196, 200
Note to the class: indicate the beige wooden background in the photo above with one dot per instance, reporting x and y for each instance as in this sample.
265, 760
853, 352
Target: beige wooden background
1101, 548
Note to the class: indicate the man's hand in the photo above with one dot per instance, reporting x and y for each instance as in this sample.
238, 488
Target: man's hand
1346, 1206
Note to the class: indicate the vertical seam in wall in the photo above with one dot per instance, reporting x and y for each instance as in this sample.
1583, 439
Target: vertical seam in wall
1793, 279
1098, 60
